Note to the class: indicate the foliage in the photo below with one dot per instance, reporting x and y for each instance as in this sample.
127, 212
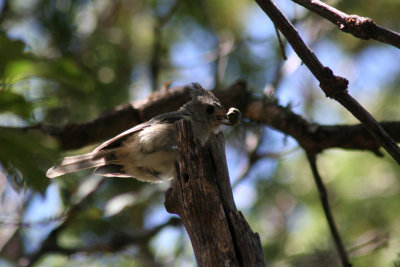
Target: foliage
68, 61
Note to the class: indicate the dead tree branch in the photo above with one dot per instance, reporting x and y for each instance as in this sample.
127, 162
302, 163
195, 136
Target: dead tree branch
202, 196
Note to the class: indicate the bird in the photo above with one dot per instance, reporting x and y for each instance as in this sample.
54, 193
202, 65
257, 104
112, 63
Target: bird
148, 151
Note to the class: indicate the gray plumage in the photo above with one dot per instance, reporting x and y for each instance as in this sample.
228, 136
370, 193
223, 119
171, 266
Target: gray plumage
147, 151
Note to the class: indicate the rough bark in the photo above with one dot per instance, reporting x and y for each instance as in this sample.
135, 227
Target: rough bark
202, 196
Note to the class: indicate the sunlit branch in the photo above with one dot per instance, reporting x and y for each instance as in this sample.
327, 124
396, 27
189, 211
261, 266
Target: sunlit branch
33, 224
368, 242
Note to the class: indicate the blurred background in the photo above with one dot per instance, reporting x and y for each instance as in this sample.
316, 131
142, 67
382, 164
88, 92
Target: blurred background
68, 61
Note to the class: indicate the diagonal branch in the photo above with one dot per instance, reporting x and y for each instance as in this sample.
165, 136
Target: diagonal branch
333, 86
323, 194
360, 27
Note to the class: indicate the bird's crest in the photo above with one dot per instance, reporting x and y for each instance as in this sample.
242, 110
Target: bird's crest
203, 95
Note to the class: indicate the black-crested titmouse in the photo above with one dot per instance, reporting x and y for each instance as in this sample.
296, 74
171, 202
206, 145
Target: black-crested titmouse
148, 151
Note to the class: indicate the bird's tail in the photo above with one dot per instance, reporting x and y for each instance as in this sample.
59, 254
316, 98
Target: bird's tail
77, 163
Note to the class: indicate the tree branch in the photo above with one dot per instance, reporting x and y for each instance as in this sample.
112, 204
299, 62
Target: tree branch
311, 136
360, 27
333, 86
323, 194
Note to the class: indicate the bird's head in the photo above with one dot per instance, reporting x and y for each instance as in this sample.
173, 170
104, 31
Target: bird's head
207, 112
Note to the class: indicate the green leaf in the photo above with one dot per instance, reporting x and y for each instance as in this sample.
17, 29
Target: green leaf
10, 49
27, 154
16, 65
19, 69
62, 70
65, 71
15, 103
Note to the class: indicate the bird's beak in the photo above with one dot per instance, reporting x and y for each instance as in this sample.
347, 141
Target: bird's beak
224, 120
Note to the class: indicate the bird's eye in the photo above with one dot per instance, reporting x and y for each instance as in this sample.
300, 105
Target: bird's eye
210, 109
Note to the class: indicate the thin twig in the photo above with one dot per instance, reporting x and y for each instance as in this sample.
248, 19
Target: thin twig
254, 157
323, 194
155, 58
281, 45
360, 27
226, 45
7, 222
334, 87
155, 61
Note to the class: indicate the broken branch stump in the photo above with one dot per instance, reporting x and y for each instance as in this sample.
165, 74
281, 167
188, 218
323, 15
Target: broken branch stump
201, 195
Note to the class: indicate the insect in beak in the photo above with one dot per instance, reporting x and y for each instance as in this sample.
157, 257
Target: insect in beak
232, 117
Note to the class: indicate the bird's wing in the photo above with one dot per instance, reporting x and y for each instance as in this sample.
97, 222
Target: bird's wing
116, 141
